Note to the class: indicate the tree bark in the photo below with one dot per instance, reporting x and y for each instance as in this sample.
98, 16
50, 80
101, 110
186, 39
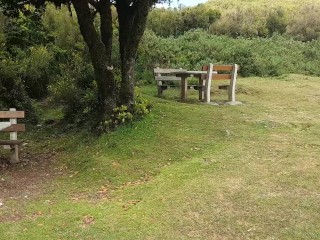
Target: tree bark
106, 27
132, 21
100, 55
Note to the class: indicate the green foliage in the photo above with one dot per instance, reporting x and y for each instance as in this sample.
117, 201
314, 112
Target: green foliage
257, 56
2, 29
35, 69
12, 92
26, 30
198, 17
165, 22
245, 18
26, 44
277, 21
123, 114
306, 24
63, 27
173, 22
242, 21
75, 89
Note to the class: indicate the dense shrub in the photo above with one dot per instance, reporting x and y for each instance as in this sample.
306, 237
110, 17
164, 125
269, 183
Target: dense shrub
277, 21
75, 89
257, 56
241, 18
12, 92
26, 30
245, 22
174, 22
306, 24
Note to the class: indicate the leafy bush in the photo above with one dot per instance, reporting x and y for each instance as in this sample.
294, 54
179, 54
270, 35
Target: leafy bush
174, 22
26, 30
123, 115
257, 56
75, 89
277, 21
35, 69
63, 27
12, 93
306, 24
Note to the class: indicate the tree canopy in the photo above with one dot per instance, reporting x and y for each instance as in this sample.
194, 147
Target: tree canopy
131, 16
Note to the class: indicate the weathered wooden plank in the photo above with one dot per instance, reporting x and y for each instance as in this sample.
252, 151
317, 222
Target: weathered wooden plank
166, 70
167, 78
12, 114
207, 96
221, 76
184, 88
13, 134
223, 67
14, 128
233, 81
10, 142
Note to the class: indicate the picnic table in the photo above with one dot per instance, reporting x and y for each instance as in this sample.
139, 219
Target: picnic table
165, 77
184, 75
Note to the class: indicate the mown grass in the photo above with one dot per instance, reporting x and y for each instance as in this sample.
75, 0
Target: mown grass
187, 171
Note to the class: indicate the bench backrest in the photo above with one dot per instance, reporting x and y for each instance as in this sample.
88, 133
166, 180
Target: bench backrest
224, 72
221, 72
8, 121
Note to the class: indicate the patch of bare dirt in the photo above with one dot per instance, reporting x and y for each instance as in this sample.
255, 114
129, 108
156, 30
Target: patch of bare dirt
27, 179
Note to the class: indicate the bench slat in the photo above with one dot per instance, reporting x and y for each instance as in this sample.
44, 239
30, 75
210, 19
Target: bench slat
14, 128
11, 114
221, 76
167, 78
10, 142
222, 67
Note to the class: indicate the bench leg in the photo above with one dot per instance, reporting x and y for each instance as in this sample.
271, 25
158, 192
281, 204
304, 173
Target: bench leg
201, 89
160, 91
14, 154
232, 86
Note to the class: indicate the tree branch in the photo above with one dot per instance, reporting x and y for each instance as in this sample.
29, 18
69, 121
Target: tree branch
94, 3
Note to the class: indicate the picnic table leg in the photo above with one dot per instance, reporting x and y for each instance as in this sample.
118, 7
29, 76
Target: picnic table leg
184, 87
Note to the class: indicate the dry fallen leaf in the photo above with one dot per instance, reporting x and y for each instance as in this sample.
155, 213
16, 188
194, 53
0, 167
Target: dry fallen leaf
87, 220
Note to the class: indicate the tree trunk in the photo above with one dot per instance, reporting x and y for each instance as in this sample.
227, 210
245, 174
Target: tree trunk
100, 56
132, 22
106, 28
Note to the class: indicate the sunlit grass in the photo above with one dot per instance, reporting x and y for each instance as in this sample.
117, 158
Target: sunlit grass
188, 171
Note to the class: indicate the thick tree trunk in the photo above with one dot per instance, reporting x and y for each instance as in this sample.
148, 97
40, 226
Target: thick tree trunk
128, 80
106, 29
132, 22
100, 56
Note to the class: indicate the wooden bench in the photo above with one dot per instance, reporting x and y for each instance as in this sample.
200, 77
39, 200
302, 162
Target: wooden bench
9, 124
221, 72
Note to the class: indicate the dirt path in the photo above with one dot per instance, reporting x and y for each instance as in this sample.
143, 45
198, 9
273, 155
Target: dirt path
28, 178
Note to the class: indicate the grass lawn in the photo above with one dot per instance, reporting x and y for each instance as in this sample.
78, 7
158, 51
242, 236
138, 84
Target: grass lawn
187, 171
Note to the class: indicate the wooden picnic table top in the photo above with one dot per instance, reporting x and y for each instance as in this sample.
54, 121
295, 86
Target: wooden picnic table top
187, 72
